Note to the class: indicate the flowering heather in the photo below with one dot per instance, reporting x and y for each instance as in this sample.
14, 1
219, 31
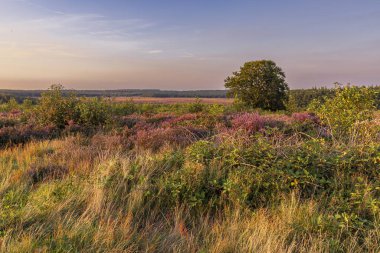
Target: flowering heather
158, 137
251, 122
305, 117
131, 120
161, 120
184, 119
8, 115
24, 133
15, 113
279, 118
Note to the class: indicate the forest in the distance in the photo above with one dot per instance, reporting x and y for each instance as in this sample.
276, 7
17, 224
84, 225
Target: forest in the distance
300, 97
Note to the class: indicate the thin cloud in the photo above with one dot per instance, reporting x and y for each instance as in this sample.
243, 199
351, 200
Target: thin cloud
86, 30
157, 51
91, 24
187, 55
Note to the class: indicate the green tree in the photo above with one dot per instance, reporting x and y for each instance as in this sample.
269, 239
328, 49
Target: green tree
259, 84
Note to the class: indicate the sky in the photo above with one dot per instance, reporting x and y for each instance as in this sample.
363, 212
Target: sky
185, 45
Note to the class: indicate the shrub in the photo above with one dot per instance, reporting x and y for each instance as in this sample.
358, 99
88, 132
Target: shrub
197, 106
351, 105
215, 109
27, 104
12, 104
195, 185
291, 104
201, 151
93, 112
56, 109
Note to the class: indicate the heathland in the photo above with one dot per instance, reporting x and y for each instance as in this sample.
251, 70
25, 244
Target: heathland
81, 174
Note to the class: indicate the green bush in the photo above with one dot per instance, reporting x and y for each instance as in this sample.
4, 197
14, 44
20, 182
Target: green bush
93, 112
350, 106
56, 109
201, 151
196, 106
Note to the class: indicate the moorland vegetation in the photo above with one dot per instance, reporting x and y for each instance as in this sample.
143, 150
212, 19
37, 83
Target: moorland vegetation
95, 175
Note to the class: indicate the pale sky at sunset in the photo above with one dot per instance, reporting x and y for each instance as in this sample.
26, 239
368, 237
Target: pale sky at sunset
181, 45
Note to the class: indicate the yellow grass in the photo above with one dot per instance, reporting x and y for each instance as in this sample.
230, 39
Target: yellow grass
86, 219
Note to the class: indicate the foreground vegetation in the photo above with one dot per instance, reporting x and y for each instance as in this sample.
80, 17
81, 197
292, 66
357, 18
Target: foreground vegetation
93, 175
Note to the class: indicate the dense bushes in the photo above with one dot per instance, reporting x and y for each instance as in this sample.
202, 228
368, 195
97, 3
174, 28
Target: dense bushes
56, 109
93, 112
59, 110
258, 173
350, 106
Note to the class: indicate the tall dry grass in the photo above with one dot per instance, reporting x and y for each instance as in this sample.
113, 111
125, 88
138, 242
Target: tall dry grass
98, 206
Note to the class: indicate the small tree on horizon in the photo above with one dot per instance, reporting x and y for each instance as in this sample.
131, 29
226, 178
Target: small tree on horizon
259, 84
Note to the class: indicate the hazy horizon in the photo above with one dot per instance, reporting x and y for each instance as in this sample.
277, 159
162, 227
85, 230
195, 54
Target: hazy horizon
191, 45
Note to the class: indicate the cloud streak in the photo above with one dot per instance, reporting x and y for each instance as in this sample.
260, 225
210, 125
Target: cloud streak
156, 51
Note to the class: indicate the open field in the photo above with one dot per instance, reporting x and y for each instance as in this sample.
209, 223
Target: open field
93, 175
155, 100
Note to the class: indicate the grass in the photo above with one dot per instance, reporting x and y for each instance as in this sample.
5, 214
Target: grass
101, 205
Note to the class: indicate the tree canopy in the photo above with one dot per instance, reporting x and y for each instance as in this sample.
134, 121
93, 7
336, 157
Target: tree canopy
259, 84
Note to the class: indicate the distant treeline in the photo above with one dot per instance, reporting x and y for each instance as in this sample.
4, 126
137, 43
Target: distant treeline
301, 97
125, 93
